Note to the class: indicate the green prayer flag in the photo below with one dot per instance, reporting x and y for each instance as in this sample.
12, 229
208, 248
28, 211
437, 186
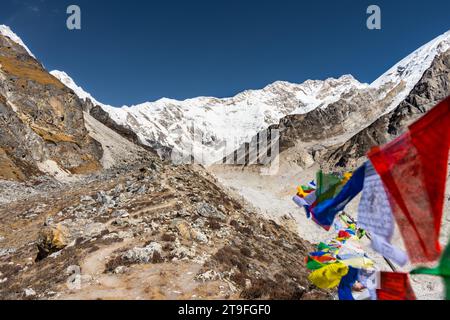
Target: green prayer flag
322, 246
328, 186
313, 264
442, 270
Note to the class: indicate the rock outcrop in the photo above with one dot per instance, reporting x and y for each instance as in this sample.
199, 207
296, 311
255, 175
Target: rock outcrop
101, 115
42, 128
311, 133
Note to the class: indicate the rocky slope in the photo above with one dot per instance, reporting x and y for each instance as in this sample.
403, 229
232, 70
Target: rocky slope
147, 231
41, 121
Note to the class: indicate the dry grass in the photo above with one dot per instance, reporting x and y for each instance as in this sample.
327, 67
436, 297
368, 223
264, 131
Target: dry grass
214, 224
275, 290
28, 70
8, 170
51, 136
88, 167
232, 258
115, 262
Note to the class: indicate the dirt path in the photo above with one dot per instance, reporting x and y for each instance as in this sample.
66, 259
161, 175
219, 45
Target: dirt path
154, 208
142, 282
94, 264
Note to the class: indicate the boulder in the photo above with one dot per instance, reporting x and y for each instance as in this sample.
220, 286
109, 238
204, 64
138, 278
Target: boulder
150, 253
51, 240
29, 292
183, 228
208, 211
199, 236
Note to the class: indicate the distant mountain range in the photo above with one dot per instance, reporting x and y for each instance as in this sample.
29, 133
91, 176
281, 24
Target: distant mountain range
225, 124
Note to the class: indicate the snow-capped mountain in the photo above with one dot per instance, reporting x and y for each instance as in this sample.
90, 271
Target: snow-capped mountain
7, 32
68, 82
226, 123
411, 69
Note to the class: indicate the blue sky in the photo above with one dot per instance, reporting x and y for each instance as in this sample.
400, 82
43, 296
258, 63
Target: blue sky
133, 51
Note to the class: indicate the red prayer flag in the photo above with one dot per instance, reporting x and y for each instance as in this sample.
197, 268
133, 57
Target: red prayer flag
395, 286
413, 169
344, 234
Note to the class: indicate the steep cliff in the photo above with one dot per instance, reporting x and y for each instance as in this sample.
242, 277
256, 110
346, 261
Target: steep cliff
42, 127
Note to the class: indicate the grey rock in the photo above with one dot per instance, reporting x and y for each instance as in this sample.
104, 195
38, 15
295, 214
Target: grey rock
105, 199
120, 270
118, 189
200, 236
6, 252
29, 292
142, 189
208, 211
121, 198
143, 255
94, 229
121, 214
86, 199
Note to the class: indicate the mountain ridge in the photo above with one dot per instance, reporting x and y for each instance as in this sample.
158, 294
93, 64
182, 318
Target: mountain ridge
154, 121
227, 123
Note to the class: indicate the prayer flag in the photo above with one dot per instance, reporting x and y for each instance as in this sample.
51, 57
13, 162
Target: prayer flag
413, 168
395, 286
375, 216
324, 212
442, 270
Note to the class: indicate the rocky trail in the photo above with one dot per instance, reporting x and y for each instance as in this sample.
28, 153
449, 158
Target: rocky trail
148, 231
